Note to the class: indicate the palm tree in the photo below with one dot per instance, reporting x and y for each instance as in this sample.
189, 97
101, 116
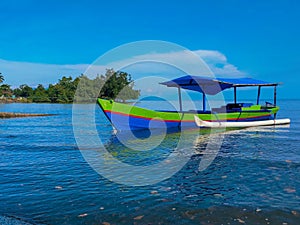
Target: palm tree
1, 78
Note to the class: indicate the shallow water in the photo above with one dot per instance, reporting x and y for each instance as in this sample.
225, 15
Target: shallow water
44, 179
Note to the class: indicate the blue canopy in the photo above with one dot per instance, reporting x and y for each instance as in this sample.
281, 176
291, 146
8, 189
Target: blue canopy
212, 86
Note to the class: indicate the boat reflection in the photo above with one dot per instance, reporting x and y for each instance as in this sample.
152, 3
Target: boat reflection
148, 147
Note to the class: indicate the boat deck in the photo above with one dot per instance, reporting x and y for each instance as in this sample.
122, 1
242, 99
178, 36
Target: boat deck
229, 108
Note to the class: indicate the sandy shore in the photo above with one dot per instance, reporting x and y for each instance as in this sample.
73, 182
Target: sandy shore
6, 115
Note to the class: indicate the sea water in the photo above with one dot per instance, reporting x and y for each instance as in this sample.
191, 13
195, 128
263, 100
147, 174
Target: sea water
44, 178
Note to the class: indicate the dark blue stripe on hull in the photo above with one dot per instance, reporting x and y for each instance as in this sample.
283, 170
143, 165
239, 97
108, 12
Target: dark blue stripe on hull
122, 122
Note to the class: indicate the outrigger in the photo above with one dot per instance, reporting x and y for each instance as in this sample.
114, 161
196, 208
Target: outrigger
237, 114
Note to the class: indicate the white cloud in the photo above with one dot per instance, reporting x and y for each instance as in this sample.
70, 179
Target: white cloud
17, 73
218, 63
199, 62
211, 55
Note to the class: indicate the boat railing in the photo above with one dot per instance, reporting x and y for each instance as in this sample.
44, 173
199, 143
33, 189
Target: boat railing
232, 107
187, 111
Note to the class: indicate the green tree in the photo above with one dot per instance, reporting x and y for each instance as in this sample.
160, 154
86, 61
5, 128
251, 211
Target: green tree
87, 89
25, 91
5, 90
40, 94
54, 92
17, 92
119, 86
69, 88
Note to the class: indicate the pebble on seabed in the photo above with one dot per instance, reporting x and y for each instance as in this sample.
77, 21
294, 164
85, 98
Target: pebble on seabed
240, 220
290, 190
294, 213
218, 195
138, 217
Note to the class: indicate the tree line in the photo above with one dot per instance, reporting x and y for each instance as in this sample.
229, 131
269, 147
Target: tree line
115, 85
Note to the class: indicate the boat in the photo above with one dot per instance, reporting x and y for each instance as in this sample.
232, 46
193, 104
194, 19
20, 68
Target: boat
237, 114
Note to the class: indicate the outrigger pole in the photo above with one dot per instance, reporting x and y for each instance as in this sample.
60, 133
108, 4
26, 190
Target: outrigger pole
275, 95
180, 100
204, 102
258, 95
234, 95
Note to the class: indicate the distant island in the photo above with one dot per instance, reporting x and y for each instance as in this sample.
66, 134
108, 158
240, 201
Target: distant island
64, 90
112, 83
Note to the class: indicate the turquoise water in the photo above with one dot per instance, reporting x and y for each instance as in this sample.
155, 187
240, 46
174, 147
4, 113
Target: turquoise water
44, 178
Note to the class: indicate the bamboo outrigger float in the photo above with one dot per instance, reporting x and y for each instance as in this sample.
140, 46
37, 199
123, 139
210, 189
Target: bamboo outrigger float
236, 114
220, 124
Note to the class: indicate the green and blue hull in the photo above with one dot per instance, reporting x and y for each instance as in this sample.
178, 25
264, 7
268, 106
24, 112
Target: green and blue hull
128, 117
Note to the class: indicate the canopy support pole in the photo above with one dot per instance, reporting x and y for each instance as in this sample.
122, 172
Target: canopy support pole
204, 102
258, 95
180, 100
275, 95
234, 95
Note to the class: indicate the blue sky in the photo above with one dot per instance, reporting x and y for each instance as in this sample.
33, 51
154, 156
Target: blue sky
260, 38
